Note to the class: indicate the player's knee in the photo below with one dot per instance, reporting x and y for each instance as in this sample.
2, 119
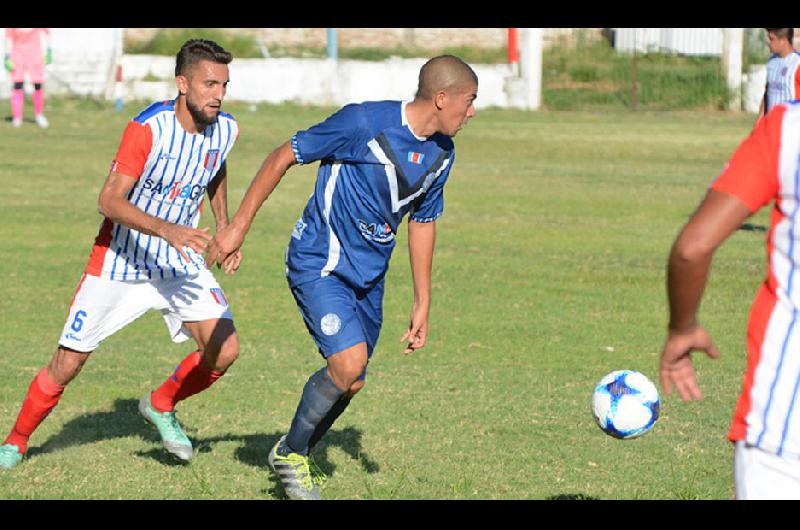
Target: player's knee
356, 387
66, 365
228, 353
346, 374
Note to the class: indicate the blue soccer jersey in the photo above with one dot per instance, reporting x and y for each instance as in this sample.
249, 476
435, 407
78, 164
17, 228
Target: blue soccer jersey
373, 171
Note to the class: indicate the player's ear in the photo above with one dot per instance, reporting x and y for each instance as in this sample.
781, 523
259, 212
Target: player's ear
439, 99
182, 83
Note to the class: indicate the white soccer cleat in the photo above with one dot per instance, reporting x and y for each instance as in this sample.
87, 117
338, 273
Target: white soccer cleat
42, 122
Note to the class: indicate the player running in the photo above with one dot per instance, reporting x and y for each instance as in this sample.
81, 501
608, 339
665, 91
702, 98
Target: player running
764, 170
148, 254
380, 161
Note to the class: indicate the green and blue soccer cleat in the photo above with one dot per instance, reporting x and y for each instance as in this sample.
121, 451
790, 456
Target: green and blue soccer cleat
9, 456
172, 436
298, 474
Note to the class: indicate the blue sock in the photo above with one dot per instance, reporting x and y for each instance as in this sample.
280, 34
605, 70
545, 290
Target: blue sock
319, 396
327, 422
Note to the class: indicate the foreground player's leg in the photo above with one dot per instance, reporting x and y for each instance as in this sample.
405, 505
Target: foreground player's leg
198, 371
43, 395
321, 394
333, 414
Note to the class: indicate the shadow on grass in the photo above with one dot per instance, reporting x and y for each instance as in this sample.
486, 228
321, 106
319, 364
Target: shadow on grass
572, 497
256, 448
125, 421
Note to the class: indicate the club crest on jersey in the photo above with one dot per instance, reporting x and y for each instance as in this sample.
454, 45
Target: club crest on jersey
219, 296
415, 158
211, 158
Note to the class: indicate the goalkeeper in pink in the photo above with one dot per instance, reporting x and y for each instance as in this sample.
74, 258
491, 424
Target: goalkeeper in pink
27, 52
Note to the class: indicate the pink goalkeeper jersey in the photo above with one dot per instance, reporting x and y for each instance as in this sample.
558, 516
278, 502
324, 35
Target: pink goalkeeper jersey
765, 169
173, 169
26, 43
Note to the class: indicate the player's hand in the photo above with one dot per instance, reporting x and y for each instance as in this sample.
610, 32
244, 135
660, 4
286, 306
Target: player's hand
232, 263
180, 236
9, 63
48, 56
224, 244
676, 361
417, 333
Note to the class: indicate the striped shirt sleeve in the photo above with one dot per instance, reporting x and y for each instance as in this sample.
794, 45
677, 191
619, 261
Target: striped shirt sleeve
133, 150
751, 174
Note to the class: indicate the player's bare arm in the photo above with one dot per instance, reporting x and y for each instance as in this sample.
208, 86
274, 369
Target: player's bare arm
114, 204
718, 216
218, 198
230, 239
421, 240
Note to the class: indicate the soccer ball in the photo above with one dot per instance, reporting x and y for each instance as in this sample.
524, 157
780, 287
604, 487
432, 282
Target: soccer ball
625, 404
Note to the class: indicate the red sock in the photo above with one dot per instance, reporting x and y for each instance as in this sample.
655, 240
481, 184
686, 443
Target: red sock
190, 377
43, 395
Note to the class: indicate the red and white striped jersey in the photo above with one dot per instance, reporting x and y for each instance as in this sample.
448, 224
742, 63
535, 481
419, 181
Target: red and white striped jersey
766, 169
783, 80
173, 169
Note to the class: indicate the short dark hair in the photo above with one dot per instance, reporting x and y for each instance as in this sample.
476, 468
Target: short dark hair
442, 73
195, 50
782, 33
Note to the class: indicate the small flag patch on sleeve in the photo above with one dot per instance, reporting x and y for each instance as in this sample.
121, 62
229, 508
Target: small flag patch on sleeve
415, 158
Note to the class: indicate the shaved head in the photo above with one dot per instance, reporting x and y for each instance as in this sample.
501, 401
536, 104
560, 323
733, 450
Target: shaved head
445, 72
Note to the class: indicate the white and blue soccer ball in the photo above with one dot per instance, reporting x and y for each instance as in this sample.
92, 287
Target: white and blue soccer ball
625, 404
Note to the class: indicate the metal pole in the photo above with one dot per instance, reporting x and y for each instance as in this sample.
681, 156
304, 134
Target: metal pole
634, 77
332, 45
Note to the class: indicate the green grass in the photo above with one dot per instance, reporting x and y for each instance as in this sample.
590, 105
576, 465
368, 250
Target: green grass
169, 41
551, 250
595, 76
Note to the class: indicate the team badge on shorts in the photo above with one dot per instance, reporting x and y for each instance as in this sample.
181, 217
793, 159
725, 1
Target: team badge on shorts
219, 296
330, 324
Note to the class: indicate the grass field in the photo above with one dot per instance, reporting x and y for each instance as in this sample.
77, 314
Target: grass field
550, 255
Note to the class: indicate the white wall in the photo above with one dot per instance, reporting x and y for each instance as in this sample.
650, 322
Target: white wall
309, 81
753, 83
687, 41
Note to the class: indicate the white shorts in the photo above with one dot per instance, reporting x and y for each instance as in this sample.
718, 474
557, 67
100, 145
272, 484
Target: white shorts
759, 475
102, 307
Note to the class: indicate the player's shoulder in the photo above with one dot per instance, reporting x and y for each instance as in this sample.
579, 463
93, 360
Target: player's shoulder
227, 116
377, 113
154, 110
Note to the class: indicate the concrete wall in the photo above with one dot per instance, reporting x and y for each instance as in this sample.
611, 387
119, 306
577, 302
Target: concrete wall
308, 81
424, 38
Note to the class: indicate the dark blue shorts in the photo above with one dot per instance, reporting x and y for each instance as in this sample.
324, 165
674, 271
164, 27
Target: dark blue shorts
337, 316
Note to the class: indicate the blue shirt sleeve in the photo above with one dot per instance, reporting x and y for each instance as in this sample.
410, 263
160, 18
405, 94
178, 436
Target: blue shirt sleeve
335, 138
430, 206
